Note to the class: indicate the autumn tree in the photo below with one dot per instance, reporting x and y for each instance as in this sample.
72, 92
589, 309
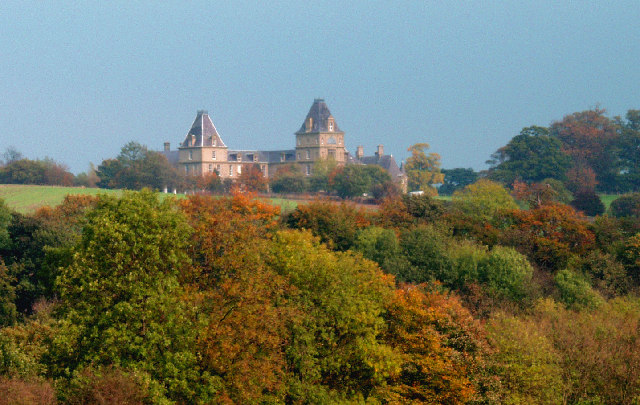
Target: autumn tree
440, 345
548, 235
336, 224
240, 299
589, 137
252, 178
423, 170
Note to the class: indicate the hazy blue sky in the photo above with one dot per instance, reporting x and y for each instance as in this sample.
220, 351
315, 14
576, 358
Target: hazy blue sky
80, 79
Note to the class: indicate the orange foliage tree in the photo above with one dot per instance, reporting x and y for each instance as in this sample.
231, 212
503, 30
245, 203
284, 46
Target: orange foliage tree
442, 348
549, 234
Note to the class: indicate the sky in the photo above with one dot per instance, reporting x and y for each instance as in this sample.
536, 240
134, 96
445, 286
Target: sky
78, 80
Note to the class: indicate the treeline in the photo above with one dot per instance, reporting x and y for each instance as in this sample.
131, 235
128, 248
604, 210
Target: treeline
228, 300
586, 151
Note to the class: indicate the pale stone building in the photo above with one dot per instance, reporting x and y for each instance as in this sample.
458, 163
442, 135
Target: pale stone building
203, 151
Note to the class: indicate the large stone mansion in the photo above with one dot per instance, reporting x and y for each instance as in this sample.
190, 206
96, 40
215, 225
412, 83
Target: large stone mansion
203, 151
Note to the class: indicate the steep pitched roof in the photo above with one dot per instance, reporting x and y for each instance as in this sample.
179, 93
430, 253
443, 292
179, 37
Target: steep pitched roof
319, 114
202, 132
387, 162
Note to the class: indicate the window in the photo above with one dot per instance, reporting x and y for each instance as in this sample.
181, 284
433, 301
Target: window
190, 155
308, 154
239, 169
210, 168
230, 170
308, 170
331, 141
218, 169
298, 156
186, 169
214, 142
213, 155
331, 126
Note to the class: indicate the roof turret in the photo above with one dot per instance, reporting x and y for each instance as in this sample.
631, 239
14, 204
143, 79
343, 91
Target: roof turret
202, 132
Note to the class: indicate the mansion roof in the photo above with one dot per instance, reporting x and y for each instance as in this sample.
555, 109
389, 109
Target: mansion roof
202, 132
319, 114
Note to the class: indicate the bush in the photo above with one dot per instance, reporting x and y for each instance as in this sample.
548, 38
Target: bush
426, 249
575, 292
626, 206
588, 202
506, 272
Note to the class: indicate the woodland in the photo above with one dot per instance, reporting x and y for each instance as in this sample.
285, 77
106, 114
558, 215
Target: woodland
522, 288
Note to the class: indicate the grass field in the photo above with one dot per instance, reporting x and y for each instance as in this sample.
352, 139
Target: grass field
27, 199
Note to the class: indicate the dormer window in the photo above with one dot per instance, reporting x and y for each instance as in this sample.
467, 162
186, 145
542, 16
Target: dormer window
331, 125
214, 142
309, 124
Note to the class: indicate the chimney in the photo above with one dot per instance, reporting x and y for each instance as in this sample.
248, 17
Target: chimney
359, 152
380, 151
167, 146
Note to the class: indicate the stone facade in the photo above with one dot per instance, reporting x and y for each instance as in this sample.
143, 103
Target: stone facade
203, 151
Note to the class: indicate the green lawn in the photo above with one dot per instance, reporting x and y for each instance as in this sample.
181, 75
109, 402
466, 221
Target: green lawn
607, 199
27, 199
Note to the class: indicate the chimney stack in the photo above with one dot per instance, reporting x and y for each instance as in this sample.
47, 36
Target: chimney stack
360, 152
380, 151
167, 146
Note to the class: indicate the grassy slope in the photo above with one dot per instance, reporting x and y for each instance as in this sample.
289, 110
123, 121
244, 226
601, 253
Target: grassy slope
27, 199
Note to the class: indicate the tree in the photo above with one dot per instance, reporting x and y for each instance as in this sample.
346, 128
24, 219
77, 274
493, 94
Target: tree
135, 168
334, 344
531, 156
590, 138
484, 199
626, 206
289, 179
120, 300
356, 180
629, 151
548, 235
456, 179
11, 154
588, 202
423, 171
323, 169
252, 178
335, 224
439, 344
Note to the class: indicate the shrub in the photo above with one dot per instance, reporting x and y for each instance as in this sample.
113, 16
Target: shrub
575, 291
588, 202
626, 206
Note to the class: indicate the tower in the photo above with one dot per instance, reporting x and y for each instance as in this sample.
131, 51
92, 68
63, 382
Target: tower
202, 150
319, 137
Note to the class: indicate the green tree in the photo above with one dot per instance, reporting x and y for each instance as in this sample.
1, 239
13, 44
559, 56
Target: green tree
484, 199
356, 180
456, 179
334, 345
531, 156
423, 170
135, 168
120, 299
